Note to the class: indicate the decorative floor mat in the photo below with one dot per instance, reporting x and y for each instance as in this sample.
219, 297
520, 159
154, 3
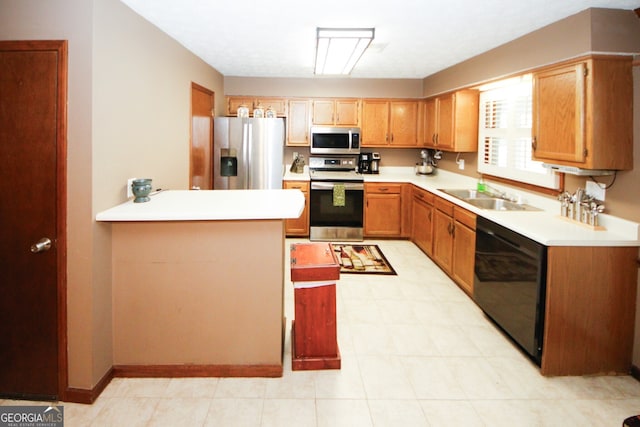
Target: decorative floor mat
363, 259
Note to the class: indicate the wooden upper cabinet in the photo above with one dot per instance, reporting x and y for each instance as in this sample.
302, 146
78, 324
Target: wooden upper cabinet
429, 124
347, 112
323, 112
278, 104
336, 112
375, 122
389, 123
403, 123
451, 121
251, 102
445, 139
233, 102
559, 100
582, 114
298, 122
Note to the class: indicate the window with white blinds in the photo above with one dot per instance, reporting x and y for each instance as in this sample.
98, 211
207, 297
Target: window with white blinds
504, 134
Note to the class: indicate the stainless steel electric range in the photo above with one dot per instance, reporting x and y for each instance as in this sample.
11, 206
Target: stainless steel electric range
336, 210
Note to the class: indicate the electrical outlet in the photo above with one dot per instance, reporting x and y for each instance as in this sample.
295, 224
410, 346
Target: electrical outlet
461, 164
129, 190
596, 189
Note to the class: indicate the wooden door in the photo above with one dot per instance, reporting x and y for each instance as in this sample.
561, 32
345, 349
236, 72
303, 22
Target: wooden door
375, 123
33, 79
559, 114
404, 123
201, 160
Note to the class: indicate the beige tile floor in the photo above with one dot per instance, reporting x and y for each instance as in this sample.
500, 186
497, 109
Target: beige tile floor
416, 351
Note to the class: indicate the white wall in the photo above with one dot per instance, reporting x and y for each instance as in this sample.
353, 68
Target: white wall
129, 89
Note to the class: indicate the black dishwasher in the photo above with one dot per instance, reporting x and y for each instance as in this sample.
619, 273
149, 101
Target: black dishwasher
510, 283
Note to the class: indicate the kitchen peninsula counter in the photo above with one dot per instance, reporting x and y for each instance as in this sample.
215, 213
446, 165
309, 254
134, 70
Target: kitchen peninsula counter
198, 282
208, 205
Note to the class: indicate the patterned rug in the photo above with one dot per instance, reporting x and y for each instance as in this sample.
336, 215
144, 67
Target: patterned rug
362, 259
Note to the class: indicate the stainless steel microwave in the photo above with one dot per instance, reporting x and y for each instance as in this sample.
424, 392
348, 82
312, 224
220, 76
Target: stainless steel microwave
334, 140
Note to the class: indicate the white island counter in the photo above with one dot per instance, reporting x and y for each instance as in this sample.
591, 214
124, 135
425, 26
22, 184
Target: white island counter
198, 282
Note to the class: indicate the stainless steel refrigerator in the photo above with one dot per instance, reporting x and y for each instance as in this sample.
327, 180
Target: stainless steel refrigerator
247, 153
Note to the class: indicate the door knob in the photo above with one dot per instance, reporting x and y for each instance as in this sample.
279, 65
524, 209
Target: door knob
41, 245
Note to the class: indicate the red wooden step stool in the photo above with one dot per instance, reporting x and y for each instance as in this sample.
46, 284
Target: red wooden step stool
314, 341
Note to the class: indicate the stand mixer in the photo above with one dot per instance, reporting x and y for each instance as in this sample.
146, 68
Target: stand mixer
427, 165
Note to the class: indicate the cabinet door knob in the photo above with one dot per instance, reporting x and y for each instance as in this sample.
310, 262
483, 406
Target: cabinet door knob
534, 143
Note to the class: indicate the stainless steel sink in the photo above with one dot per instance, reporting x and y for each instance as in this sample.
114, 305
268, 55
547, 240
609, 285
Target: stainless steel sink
487, 201
465, 194
500, 205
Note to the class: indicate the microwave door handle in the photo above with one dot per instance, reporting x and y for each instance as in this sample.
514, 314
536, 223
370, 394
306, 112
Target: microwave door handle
350, 140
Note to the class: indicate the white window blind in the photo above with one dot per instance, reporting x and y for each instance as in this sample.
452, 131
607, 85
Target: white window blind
504, 134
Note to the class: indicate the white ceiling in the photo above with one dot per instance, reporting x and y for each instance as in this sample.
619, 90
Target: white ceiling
414, 38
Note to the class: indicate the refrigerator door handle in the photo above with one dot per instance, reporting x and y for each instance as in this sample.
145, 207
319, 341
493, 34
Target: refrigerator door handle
245, 154
249, 155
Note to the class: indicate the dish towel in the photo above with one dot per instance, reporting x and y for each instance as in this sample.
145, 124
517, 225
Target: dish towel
338, 195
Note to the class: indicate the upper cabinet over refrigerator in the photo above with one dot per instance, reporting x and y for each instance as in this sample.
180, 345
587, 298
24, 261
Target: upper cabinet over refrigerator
247, 153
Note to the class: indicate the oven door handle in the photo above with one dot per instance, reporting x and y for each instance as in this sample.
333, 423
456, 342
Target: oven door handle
324, 185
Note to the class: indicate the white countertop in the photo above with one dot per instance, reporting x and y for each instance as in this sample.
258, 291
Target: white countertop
546, 226
210, 205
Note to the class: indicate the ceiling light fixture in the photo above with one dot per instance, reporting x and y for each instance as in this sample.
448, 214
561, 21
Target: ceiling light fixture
339, 49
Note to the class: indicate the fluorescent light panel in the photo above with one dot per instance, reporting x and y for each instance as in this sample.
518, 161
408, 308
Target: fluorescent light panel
339, 49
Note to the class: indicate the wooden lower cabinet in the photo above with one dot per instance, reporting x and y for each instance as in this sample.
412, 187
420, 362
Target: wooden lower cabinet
443, 234
464, 248
383, 210
590, 310
422, 219
454, 242
298, 227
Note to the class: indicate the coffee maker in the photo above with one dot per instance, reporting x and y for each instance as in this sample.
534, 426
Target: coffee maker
364, 163
375, 163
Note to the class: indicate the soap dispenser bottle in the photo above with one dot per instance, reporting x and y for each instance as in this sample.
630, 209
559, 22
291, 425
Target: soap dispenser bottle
481, 186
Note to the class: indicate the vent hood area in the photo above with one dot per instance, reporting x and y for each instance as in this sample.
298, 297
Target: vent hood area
572, 170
